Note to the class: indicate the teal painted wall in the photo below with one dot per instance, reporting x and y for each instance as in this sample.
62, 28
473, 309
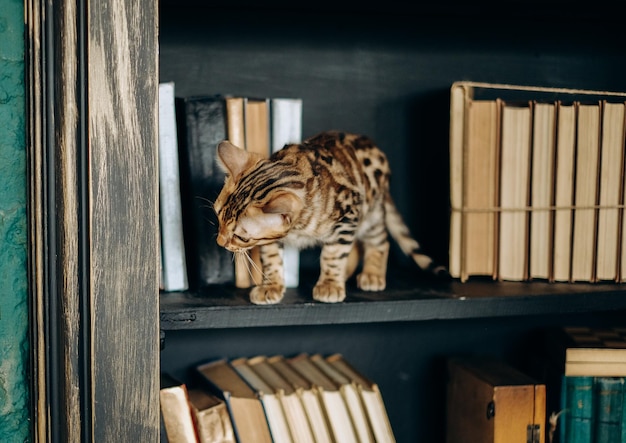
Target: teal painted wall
14, 403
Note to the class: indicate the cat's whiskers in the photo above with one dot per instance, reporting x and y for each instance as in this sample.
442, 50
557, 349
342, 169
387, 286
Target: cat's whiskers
252, 264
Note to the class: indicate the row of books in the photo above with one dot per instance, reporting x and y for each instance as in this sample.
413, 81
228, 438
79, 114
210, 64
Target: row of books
590, 365
537, 183
305, 398
190, 128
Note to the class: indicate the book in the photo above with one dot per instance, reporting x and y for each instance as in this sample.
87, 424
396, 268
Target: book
550, 207
173, 261
480, 189
176, 411
201, 127
564, 186
584, 228
210, 417
488, 400
295, 413
541, 192
310, 396
337, 413
588, 351
236, 134
272, 404
610, 192
514, 191
609, 409
371, 396
257, 130
577, 419
286, 128
245, 408
351, 396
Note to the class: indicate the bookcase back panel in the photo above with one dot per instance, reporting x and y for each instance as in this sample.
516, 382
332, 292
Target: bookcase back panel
385, 76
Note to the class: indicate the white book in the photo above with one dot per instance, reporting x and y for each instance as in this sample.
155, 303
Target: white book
286, 127
174, 266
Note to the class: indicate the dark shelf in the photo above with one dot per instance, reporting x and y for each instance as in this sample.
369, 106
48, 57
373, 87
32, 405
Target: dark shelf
405, 300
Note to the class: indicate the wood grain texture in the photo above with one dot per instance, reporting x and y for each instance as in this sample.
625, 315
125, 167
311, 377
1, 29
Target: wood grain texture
92, 70
123, 106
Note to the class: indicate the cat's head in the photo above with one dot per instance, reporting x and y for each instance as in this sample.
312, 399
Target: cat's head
253, 208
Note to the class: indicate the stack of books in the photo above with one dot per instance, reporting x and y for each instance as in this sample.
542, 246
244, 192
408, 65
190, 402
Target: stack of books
592, 365
536, 183
301, 399
190, 128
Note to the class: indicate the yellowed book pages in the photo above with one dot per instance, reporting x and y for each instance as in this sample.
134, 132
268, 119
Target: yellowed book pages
514, 192
543, 149
309, 395
235, 129
271, 403
295, 412
611, 180
351, 396
247, 414
177, 418
336, 408
211, 418
587, 157
257, 128
457, 123
480, 189
564, 182
372, 399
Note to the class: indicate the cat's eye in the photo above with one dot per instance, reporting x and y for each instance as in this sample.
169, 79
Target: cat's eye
240, 238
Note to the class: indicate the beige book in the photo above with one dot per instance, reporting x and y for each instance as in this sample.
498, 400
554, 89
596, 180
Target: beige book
257, 130
611, 180
480, 189
235, 131
514, 192
371, 396
309, 395
175, 411
351, 396
295, 413
211, 418
564, 185
337, 413
246, 410
542, 184
585, 213
272, 405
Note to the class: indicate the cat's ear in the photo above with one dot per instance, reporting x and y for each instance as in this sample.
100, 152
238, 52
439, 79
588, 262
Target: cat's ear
233, 159
285, 203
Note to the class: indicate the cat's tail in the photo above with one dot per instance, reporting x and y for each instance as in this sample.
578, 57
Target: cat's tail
400, 233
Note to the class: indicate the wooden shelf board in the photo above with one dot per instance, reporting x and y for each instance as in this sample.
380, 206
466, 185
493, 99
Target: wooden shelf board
404, 300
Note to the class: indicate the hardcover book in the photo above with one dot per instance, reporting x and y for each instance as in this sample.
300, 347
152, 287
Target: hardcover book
201, 127
175, 410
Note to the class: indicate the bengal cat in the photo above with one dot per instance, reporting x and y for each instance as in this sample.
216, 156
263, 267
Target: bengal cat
332, 191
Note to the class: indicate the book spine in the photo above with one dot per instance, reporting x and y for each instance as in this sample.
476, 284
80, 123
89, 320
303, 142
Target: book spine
579, 405
609, 392
202, 126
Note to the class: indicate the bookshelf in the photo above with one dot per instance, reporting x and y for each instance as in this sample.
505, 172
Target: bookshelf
383, 70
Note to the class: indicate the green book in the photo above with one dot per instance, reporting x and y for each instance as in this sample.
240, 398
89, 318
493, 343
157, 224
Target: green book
577, 399
609, 393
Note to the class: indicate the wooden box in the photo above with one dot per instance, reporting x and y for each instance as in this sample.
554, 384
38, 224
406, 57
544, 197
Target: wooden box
488, 401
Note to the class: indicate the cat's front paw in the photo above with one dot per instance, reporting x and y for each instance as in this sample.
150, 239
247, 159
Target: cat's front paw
329, 292
267, 294
371, 282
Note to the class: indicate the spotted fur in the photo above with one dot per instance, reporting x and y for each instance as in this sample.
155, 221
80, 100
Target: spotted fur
332, 190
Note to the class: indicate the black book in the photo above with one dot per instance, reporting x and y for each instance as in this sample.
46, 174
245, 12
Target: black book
201, 127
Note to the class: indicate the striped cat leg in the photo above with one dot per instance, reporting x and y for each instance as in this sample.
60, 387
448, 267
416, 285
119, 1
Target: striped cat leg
373, 277
331, 285
272, 289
